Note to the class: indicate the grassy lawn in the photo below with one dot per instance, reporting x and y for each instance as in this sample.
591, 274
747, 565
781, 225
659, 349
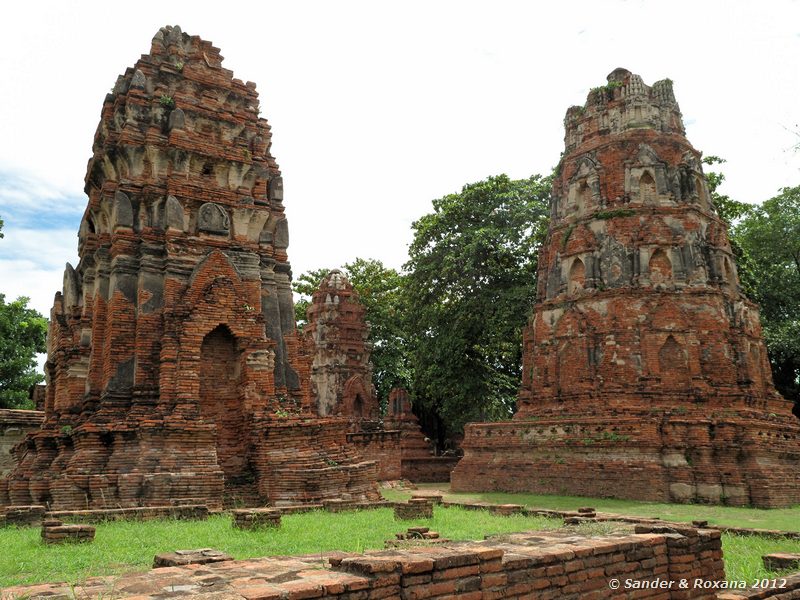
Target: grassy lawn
787, 519
126, 546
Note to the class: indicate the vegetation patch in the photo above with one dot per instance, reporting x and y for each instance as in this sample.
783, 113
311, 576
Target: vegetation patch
614, 214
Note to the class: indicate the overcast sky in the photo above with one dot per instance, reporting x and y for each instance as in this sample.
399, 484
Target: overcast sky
378, 107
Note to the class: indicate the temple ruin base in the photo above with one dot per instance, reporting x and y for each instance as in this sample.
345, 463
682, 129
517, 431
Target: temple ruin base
738, 459
158, 463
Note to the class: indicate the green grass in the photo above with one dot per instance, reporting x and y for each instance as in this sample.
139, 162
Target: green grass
126, 546
742, 556
787, 519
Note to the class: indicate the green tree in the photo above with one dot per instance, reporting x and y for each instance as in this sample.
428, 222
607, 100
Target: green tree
470, 287
770, 236
22, 335
379, 289
305, 286
732, 212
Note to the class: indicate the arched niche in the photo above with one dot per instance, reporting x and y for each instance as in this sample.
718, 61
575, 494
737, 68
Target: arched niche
700, 188
358, 399
646, 179
660, 267
647, 189
577, 276
220, 399
584, 186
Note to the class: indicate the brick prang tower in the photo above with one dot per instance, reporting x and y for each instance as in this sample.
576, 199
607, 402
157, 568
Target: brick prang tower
644, 371
175, 372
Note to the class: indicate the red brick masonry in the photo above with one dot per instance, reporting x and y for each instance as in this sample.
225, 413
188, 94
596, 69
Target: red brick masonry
541, 565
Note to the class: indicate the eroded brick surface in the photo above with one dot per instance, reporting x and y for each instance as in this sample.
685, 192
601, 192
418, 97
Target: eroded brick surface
175, 373
644, 371
525, 565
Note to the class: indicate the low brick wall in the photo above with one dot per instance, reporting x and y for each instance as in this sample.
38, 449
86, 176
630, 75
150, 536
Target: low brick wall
429, 469
22, 515
56, 532
14, 426
382, 446
256, 518
416, 508
531, 565
189, 512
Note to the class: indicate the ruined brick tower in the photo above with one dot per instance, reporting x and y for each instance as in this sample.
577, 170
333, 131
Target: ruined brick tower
175, 372
644, 372
341, 373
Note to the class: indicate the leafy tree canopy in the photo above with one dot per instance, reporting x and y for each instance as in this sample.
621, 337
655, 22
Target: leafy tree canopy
22, 335
379, 289
770, 236
731, 211
470, 288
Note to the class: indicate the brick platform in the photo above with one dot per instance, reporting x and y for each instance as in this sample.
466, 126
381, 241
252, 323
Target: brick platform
256, 518
23, 515
55, 532
416, 508
789, 590
781, 561
191, 512
645, 375
538, 565
200, 556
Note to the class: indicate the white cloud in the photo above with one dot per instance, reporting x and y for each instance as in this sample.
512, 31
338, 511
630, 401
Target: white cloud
32, 264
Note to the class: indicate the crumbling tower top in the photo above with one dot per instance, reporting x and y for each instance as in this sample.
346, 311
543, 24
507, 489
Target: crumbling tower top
624, 103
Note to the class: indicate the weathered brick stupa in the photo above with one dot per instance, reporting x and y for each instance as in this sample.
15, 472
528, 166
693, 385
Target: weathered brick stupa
644, 372
341, 372
336, 336
175, 372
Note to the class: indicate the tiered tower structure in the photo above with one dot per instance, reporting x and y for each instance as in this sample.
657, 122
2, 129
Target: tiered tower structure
337, 332
644, 371
175, 372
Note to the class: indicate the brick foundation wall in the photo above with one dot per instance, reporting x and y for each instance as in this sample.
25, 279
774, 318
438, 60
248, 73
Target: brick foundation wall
532, 565
678, 458
382, 446
14, 425
429, 469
